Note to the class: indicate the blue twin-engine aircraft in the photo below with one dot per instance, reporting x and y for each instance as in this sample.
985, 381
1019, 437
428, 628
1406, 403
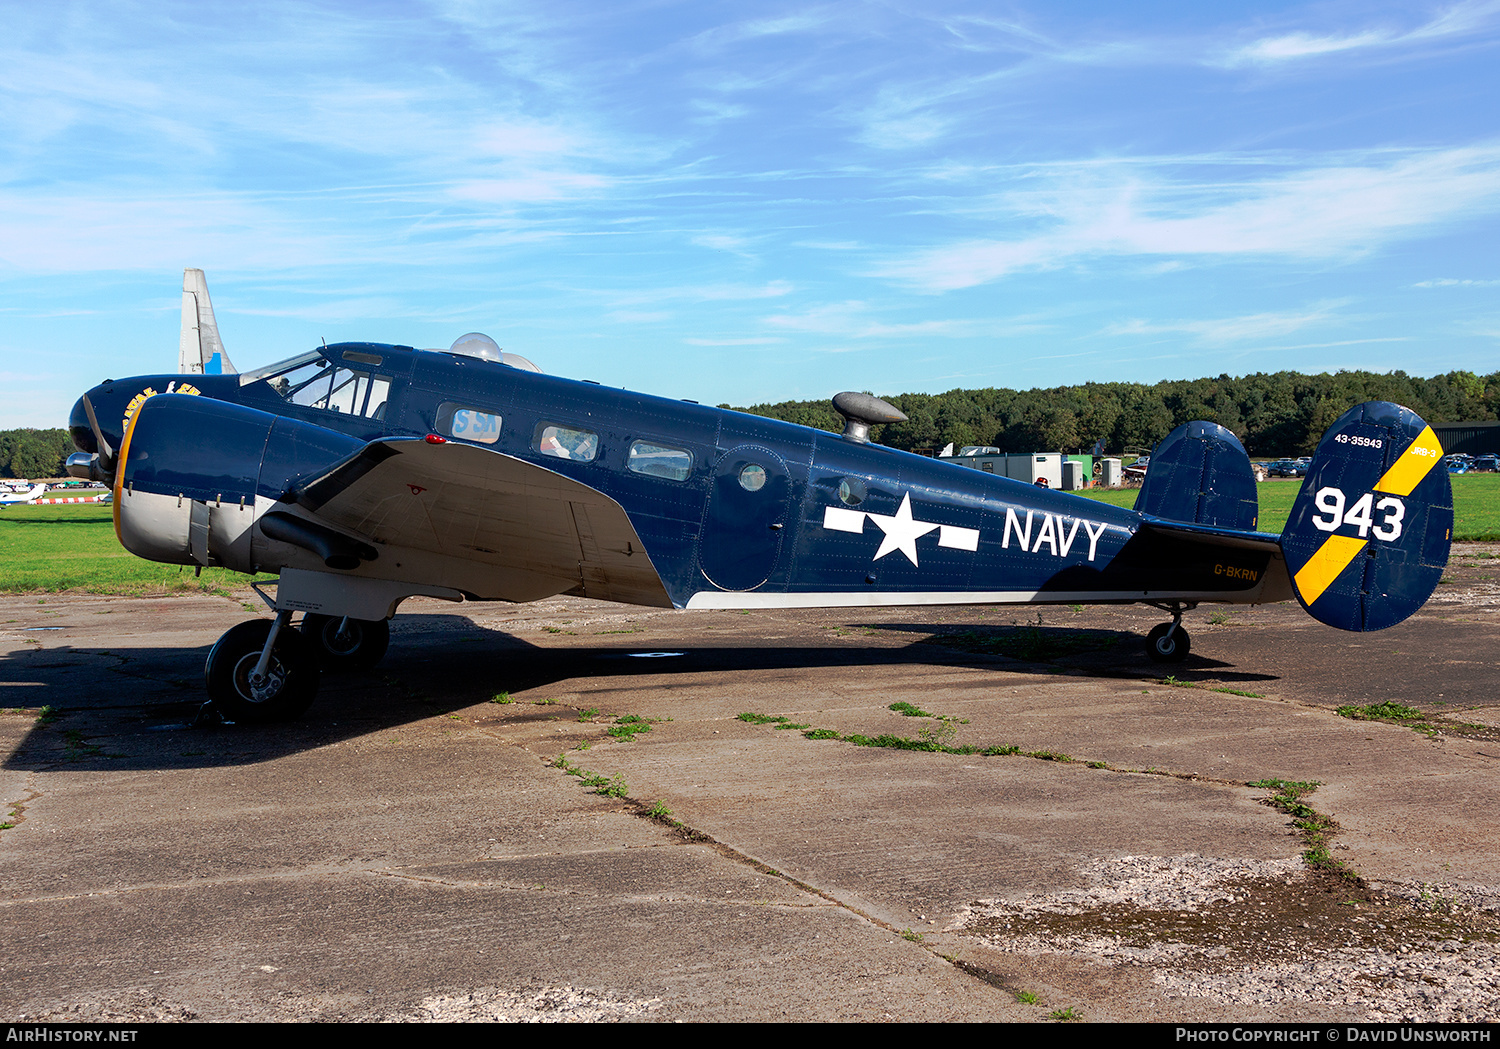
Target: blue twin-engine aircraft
363, 474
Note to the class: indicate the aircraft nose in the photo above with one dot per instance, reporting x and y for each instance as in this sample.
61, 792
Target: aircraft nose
79, 428
94, 422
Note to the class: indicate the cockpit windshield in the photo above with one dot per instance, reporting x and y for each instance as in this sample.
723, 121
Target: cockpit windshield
313, 380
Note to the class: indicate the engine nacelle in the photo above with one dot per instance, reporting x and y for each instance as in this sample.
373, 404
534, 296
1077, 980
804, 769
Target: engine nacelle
196, 473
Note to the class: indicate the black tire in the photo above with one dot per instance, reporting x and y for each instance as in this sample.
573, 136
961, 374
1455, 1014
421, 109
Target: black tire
360, 647
293, 674
1164, 649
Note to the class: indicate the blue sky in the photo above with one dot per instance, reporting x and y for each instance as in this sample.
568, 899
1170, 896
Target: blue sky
750, 202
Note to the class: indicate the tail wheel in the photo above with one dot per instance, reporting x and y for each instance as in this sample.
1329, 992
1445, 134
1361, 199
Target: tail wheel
1165, 645
288, 688
346, 644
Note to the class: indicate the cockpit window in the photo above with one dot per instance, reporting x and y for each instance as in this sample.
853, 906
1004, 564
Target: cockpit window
313, 381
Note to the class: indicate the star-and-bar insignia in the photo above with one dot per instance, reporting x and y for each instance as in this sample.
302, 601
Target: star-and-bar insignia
901, 530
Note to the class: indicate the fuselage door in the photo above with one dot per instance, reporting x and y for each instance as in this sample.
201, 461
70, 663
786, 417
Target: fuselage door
748, 511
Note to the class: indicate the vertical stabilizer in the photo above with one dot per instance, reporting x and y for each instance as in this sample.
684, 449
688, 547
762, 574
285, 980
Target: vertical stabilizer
199, 351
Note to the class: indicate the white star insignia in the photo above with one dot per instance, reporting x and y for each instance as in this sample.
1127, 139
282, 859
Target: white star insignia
901, 532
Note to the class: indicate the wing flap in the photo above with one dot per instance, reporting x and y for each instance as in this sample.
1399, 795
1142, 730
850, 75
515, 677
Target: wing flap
485, 506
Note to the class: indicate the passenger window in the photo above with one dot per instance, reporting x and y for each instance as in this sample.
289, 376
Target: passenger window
468, 424
660, 460
566, 443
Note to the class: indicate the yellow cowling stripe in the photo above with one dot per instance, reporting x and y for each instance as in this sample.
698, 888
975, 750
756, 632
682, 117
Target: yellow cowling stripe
1324, 566
120, 472
1413, 464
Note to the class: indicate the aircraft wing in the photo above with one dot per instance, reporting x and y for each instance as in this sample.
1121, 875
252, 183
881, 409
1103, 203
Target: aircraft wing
484, 506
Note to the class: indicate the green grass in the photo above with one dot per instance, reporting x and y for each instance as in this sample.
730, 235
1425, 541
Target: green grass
44, 549
1476, 505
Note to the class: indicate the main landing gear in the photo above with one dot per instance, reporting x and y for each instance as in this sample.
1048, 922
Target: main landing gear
346, 644
264, 671
1169, 642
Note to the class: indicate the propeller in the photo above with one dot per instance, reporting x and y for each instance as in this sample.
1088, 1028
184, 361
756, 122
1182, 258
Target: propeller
106, 453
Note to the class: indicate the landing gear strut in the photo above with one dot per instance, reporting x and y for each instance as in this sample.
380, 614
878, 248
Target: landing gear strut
341, 643
1169, 642
262, 671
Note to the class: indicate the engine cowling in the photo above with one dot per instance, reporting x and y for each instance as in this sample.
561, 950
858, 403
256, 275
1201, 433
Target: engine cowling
196, 474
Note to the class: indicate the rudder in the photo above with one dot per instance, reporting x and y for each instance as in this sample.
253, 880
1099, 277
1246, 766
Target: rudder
1368, 535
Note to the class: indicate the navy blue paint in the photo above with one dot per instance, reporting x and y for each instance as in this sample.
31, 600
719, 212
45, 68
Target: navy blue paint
1386, 581
1200, 474
707, 533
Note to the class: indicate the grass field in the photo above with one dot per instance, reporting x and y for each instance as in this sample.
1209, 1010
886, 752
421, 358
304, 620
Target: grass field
51, 548
1476, 505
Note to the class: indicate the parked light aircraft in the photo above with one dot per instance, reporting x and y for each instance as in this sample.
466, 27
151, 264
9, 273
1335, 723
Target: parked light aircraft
21, 493
363, 474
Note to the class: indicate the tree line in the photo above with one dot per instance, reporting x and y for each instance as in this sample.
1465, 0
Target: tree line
34, 453
1280, 414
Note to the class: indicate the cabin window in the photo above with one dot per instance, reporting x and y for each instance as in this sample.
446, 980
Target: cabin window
752, 477
567, 443
659, 460
467, 424
988, 468
852, 491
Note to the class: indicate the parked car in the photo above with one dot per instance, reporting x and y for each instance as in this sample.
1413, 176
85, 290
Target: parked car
1487, 462
1287, 468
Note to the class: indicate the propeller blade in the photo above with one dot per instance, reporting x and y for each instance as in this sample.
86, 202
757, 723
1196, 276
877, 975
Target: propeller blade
106, 453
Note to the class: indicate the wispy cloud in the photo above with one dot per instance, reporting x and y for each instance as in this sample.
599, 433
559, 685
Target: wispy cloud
1224, 330
1450, 282
1318, 213
1460, 19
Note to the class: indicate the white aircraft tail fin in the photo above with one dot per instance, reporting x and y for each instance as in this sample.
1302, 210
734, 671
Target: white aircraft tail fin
200, 351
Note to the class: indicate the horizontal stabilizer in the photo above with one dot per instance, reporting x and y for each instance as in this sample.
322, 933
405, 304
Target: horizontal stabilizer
1368, 536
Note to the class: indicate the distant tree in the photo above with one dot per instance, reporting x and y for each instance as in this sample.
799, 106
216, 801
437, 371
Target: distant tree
34, 453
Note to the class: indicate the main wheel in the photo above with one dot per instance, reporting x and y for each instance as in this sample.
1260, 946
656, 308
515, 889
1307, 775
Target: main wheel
1165, 645
291, 679
358, 646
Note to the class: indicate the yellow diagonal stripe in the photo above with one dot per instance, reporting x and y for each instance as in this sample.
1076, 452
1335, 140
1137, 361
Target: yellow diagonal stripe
1324, 566
1407, 471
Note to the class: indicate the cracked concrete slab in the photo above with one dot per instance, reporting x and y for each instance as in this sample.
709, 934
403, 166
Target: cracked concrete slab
414, 849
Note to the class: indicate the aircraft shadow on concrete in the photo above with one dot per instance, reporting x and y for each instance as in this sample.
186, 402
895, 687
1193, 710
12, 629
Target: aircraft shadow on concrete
136, 710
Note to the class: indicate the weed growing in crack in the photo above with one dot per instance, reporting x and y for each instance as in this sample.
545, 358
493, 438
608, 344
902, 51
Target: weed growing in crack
914, 937
1068, 1015
501, 697
1315, 828
906, 710
629, 726
586, 716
